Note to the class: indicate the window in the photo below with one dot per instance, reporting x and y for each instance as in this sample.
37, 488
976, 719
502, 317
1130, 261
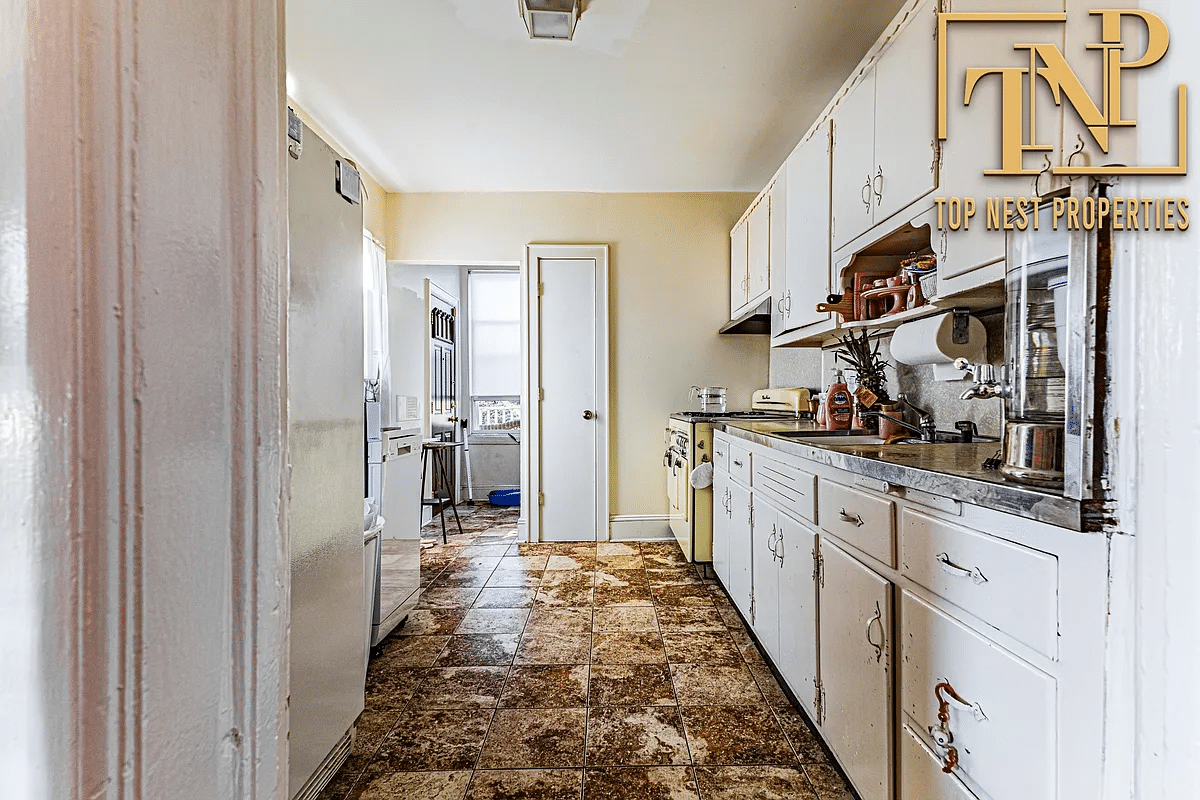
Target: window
494, 372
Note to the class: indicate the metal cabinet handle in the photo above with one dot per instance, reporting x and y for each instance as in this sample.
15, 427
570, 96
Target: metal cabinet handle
788, 297
870, 623
866, 194
779, 547
737, 463
848, 517
771, 543
960, 572
877, 184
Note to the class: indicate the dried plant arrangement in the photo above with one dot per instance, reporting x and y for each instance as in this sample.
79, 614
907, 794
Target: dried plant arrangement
863, 357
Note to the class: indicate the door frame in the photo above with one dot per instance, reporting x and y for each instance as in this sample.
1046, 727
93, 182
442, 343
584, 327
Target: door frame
529, 524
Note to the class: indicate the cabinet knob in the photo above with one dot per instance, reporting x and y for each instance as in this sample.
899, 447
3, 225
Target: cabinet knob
588, 415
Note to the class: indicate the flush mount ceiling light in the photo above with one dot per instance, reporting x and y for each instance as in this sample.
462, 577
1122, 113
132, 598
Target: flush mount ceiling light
550, 19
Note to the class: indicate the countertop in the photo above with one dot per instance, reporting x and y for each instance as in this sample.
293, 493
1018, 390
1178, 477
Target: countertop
953, 471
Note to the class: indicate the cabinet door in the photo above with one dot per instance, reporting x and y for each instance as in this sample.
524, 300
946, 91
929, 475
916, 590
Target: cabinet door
766, 576
797, 659
738, 280
777, 256
758, 252
854, 163
856, 625
739, 584
805, 271
722, 516
906, 117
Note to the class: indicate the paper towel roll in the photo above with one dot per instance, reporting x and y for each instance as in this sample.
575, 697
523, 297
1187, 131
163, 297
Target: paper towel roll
931, 341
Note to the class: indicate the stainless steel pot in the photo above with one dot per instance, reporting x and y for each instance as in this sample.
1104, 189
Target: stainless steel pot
1033, 453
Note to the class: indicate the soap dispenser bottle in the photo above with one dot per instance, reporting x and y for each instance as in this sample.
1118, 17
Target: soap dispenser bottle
839, 405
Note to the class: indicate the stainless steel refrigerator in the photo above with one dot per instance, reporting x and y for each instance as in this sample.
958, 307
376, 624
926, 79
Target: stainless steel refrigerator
326, 451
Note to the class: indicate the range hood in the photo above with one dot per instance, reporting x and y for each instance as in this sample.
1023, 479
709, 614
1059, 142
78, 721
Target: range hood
757, 320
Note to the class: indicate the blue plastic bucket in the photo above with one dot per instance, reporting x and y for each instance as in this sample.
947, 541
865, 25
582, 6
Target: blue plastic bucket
505, 497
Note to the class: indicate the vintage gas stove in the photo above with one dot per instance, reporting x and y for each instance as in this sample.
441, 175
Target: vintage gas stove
689, 442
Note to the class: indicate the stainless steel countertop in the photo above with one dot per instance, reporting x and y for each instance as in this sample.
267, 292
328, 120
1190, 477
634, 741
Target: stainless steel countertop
949, 470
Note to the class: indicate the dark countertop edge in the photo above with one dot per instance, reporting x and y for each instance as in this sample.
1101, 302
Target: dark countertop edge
1006, 498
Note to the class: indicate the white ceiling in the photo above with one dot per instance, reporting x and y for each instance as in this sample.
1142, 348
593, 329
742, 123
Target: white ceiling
652, 95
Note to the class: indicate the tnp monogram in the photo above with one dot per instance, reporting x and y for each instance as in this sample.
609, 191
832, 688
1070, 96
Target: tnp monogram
1047, 63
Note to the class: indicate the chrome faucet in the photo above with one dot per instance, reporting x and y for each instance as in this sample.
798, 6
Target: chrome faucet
924, 428
924, 420
987, 386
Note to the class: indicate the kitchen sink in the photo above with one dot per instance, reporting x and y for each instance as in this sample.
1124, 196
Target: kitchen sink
851, 439
832, 437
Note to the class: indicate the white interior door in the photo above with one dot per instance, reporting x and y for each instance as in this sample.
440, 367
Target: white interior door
569, 380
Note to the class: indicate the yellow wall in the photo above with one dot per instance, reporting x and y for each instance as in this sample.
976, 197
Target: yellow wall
668, 295
375, 201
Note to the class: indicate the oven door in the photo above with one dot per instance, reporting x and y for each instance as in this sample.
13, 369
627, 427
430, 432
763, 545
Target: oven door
679, 491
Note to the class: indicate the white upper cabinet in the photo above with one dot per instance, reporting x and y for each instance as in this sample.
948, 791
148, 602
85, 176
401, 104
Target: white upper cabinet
758, 226
905, 117
854, 163
757, 245
777, 259
801, 279
884, 141
738, 277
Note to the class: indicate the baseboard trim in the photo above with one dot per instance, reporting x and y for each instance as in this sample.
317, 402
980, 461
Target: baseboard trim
640, 528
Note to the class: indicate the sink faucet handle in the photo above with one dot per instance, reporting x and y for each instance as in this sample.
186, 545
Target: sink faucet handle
968, 430
986, 383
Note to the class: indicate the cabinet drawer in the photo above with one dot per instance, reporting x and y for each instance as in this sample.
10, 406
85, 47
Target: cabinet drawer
921, 776
859, 519
792, 490
1006, 733
720, 453
739, 463
1006, 585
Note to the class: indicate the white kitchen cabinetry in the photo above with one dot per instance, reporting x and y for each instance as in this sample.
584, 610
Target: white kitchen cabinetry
797, 662
884, 135
738, 581
1009, 612
855, 634
801, 279
739, 277
757, 244
766, 576
758, 252
1002, 710
854, 163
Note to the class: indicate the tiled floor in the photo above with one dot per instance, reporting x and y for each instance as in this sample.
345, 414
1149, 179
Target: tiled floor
601, 671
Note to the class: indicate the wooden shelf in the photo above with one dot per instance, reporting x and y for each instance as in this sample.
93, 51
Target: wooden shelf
896, 320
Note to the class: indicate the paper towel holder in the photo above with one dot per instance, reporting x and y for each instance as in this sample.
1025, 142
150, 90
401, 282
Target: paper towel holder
961, 332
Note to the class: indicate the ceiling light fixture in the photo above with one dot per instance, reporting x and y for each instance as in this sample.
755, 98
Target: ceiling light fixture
550, 19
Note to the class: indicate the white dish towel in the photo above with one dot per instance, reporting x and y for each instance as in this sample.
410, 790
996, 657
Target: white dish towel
702, 476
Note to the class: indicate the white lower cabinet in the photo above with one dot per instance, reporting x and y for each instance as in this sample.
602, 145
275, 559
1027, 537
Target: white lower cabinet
921, 775
766, 577
738, 581
1001, 709
999, 622
797, 660
855, 633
